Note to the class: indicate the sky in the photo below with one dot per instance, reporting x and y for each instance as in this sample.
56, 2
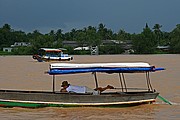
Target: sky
129, 15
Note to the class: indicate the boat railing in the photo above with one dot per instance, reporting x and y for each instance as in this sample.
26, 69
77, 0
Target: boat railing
24, 91
131, 89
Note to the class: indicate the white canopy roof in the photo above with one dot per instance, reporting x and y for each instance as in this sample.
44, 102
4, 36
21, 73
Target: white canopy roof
89, 65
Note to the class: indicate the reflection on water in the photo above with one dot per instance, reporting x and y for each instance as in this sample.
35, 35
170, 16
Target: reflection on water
138, 112
22, 72
148, 111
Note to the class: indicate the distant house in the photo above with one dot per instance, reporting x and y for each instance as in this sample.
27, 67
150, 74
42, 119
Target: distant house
163, 48
125, 44
17, 44
110, 42
7, 49
70, 43
81, 48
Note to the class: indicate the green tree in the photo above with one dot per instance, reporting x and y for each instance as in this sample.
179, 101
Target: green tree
7, 27
123, 35
92, 37
158, 33
111, 49
104, 33
6, 36
175, 40
39, 40
81, 38
144, 43
59, 38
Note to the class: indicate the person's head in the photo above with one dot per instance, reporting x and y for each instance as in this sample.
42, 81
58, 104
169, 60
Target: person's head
65, 84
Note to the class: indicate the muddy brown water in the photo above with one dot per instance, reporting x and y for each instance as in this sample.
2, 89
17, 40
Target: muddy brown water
24, 73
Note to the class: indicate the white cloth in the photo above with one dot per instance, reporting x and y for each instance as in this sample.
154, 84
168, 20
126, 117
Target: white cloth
94, 92
76, 89
81, 89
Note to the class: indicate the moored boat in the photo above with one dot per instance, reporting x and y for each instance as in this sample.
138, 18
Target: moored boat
119, 96
51, 54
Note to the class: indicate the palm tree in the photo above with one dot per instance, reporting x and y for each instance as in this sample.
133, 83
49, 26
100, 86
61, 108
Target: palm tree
157, 32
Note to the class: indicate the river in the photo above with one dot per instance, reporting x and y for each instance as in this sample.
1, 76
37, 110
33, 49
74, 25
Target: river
24, 73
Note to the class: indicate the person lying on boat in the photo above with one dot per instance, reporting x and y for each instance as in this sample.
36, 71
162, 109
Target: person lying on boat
82, 89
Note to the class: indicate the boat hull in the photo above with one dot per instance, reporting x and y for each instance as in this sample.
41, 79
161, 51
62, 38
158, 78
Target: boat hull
35, 99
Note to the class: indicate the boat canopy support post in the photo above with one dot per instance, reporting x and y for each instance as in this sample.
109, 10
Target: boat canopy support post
148, 82
53, 84
121, 84
124, 82
95, 77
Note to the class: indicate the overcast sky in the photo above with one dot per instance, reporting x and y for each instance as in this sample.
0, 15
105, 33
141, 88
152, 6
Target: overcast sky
130, 15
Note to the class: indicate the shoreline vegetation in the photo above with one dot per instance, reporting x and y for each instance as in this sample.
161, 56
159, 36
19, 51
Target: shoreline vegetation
149, 41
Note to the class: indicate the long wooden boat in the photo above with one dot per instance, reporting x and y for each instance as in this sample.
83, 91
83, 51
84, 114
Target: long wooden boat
121, 96
51, 54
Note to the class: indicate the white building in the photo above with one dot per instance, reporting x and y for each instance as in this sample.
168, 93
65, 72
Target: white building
7, 49
16, 44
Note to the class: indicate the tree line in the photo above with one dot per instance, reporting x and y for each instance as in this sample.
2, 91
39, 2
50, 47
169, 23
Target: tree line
145, 42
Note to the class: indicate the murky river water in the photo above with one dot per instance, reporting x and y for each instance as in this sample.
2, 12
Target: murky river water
22, 72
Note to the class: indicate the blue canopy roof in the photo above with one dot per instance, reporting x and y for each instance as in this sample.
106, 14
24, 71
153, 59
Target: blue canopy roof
104, 69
